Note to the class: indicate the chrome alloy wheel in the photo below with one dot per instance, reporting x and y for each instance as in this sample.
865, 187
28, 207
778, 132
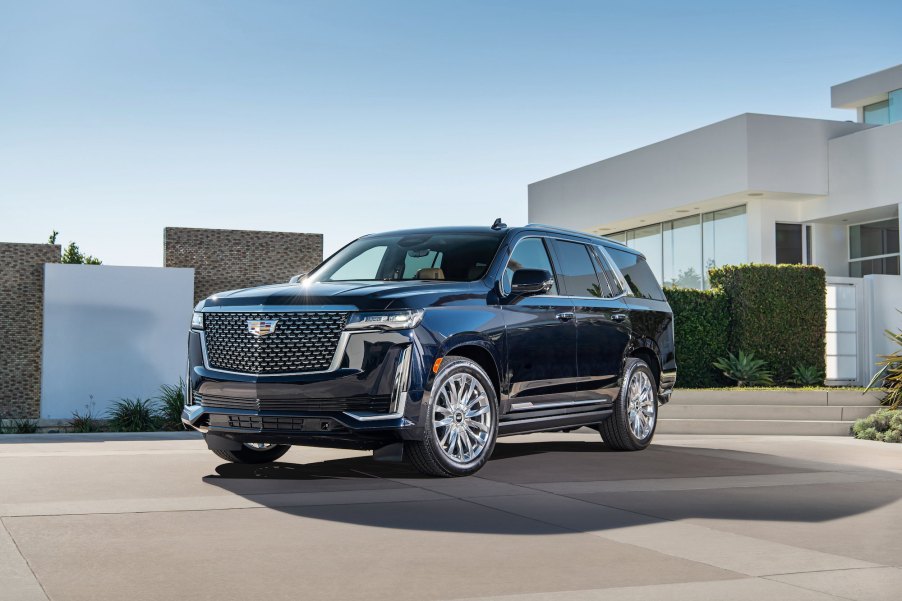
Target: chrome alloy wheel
641, 405
259, 446
462, 418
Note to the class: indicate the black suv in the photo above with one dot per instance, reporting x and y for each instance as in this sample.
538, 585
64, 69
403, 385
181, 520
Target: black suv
428, 344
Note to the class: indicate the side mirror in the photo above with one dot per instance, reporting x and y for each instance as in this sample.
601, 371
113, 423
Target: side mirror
531, 281
297, 278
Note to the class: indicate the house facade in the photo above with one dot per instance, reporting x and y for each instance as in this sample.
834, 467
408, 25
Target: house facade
764, 189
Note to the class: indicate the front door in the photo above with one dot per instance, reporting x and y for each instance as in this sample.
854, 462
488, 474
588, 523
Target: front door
541, 334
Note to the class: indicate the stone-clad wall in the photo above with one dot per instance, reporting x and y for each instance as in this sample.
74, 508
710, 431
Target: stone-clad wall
229, 259
22, 326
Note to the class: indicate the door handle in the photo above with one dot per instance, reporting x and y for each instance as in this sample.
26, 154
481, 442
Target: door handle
618, 316
565, 316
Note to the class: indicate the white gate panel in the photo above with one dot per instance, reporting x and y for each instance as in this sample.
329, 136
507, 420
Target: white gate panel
112, 332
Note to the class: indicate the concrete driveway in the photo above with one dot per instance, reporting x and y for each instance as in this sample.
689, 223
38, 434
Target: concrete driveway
552, 516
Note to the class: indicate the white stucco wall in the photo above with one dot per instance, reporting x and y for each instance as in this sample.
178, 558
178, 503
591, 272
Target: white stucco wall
865, 173
704, 163
112, 332
884, 293
786, 157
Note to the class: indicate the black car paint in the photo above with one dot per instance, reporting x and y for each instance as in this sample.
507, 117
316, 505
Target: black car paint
518, 339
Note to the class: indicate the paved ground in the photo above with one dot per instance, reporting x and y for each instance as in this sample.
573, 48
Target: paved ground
551, 517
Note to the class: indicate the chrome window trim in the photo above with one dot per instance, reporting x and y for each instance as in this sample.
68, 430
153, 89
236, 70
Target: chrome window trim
554, 274
621, 280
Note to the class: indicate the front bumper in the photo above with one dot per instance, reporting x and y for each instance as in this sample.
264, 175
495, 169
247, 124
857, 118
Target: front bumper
372, 397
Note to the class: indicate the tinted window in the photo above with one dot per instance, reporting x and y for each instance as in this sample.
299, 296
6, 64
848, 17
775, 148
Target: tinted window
530, 253
638, 276
577, 270
606, 273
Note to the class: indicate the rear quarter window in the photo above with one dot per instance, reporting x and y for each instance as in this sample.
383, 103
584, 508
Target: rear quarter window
637, 274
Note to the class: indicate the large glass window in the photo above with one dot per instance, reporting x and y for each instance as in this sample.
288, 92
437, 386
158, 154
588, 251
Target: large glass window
724, 238
886, 111
683, 252
874, 248
895, 106
877, 113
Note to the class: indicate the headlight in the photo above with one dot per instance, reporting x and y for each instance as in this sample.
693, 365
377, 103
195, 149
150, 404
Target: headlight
197, 321
390, 320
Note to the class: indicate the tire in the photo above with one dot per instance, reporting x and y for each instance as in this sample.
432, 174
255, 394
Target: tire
248, 454
626, 430
457, 441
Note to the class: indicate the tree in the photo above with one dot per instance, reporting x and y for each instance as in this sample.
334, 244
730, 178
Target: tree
72, 254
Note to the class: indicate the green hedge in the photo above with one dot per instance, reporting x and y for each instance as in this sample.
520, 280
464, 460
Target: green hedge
777, 312
702, 331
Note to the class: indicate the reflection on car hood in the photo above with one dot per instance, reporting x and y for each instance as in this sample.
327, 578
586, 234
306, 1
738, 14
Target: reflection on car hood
353, 295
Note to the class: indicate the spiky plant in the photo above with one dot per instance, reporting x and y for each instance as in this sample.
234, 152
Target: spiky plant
171, 402
890, 373
806, 375
132, 415
745, 369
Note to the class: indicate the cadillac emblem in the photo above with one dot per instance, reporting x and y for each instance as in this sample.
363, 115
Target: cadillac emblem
261, 327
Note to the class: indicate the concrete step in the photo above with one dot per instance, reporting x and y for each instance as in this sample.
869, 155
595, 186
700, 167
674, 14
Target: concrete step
754, 426
765, 412
700, 396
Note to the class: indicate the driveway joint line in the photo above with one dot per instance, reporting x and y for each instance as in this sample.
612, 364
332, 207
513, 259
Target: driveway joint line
25, 559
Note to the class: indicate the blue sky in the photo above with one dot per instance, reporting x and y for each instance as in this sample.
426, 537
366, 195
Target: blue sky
119, 118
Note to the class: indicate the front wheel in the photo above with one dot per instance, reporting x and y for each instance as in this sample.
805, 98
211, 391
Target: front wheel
632, 425
254, 452
461, 421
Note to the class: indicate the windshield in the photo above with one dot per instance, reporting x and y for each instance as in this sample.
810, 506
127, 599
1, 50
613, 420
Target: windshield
459, 257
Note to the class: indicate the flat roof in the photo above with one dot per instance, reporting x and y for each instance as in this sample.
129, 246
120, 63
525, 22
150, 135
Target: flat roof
867, 89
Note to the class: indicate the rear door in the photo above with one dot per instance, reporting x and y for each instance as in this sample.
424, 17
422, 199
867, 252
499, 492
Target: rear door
541, 333
602, 320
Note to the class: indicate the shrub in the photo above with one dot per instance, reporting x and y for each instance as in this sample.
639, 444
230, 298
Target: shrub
171, 402
83, 423
806, 375
745, 369
885, 425
20, 426
127, 415
778, 312
701, 323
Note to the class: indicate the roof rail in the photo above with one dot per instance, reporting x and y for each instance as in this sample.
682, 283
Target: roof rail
563, 230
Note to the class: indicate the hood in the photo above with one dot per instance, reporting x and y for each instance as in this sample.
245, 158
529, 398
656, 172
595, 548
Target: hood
359, 296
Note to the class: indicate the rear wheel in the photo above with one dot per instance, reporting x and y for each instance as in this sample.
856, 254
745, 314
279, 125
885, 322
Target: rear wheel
461, 422
632, 425
254, 452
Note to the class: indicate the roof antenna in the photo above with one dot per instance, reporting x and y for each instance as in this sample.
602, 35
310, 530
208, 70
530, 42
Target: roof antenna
498, 225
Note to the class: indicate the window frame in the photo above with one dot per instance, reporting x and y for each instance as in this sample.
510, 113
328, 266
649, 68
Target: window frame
589, 255
850, 260
551, 261
806, 241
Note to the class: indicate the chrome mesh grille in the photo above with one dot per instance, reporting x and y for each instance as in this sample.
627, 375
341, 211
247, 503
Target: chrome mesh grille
304, 341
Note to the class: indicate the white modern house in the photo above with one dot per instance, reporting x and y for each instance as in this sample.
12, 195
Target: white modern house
765, 189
